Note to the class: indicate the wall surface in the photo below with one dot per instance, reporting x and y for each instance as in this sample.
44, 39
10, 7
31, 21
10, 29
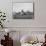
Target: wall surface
39, 21
39, 15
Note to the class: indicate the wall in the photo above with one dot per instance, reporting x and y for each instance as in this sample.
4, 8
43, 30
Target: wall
39, 14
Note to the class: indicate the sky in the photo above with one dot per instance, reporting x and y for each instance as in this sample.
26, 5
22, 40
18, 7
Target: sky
17, 7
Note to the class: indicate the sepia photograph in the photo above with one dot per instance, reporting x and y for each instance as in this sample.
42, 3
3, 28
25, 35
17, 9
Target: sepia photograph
23, 11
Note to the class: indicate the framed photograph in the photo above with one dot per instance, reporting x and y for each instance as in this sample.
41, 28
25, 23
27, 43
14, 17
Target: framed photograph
23, 11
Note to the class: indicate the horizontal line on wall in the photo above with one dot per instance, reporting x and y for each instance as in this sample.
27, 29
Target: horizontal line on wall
22, 2
24, 27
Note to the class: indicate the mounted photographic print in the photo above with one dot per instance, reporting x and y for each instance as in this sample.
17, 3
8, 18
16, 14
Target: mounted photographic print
23, 11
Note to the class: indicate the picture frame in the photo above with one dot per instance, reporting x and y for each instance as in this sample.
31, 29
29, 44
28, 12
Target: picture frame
23, 10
